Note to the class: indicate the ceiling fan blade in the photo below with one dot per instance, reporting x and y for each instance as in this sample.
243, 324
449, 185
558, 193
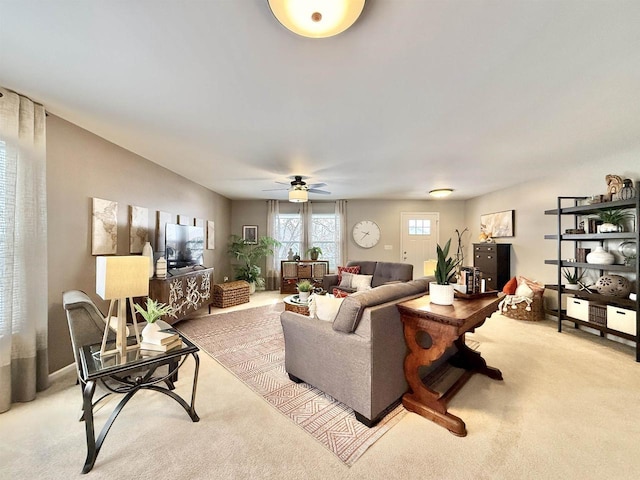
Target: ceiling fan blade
284, 183
322, 192
316, 185
275, 189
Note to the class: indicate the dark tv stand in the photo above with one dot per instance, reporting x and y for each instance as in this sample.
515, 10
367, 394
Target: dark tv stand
185, 289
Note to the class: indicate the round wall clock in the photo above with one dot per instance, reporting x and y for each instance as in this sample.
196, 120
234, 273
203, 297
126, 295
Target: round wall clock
366, 234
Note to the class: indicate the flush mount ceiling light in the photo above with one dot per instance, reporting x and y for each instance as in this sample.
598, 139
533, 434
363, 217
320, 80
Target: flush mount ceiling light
441, 192
317, 18
298, 195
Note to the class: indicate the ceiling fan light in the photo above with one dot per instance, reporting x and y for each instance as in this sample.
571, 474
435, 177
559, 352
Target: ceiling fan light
317, 18
441, 192
298, 195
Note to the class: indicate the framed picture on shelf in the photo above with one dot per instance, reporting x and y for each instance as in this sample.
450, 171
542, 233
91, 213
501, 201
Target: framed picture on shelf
250, 234
499, 224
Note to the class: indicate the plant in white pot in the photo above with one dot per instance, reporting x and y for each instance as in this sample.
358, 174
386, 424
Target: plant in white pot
153, 311
573, 278
441, 291
612, 220
304, 289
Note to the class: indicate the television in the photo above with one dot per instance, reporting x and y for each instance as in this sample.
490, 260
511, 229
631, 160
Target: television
184, 245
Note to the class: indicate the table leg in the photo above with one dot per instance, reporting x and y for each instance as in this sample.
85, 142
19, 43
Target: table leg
87, 396
472, 361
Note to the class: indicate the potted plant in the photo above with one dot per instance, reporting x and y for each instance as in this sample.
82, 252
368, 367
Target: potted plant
612, 220
573, 278
441, 291
153, 311
314, 253
249, 254
304, 289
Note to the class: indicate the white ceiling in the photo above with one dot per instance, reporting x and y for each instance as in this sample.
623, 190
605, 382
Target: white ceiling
472, 95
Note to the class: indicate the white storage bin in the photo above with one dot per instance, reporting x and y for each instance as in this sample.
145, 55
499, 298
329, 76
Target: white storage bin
578, 308
621, 319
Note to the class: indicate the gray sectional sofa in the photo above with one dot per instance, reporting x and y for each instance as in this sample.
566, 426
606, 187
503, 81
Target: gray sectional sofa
358, 358
383, 272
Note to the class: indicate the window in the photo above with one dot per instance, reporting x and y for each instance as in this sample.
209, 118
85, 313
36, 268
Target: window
289, 233
325, 233
420, 227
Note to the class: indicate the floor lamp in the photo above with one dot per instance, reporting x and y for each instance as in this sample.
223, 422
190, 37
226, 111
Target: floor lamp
120, 278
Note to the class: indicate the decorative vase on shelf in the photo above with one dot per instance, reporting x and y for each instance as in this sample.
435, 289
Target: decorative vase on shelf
600, 256
161, 268
147, 251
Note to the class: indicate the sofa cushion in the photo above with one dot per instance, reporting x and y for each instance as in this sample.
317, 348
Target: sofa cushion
324, 307
345, 282
391, 271
353, 306
339, 293
361, 282
347, 269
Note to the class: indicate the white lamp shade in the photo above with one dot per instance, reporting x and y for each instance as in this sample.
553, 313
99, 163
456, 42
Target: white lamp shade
430, 267
317, 18
122, 276
298, 195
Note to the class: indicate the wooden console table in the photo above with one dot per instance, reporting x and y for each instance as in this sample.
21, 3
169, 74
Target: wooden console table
186, 290
429, 330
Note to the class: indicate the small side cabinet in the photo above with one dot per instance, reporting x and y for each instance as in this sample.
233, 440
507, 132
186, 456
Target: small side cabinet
494, 261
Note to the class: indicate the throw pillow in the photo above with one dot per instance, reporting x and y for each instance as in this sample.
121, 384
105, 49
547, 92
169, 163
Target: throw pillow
533, 285
326, 307
352, 269
346, 280
339, 293
361, 282
510, 287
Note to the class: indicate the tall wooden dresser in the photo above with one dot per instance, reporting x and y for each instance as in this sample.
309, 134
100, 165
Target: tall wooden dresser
494, 261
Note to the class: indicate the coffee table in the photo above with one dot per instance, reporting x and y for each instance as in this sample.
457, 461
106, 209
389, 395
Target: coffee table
292, 303
128, 376
429, 330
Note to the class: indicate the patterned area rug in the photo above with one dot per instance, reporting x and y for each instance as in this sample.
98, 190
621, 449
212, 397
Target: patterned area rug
250, 344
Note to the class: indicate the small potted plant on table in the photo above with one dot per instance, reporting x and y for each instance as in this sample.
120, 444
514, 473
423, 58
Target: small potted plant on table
153, 311
441, 291
573, 278
304, 289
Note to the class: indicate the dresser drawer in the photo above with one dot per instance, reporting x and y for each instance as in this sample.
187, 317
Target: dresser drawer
485, 248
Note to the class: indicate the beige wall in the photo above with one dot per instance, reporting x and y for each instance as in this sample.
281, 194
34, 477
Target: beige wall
80, 166
532, 198
386, 213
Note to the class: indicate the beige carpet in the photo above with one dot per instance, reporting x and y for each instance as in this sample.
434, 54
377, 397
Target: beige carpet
569, 409
250, 344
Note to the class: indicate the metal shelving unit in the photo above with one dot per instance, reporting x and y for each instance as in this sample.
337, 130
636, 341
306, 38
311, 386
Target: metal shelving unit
577, 210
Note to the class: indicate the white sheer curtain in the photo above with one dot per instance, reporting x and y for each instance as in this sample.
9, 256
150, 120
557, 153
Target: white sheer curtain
306, 212
273, 265
23, 250
341, 213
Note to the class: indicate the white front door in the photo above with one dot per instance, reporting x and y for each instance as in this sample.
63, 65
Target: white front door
418, 239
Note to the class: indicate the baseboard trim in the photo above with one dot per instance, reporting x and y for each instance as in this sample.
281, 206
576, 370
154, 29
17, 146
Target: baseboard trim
60, 373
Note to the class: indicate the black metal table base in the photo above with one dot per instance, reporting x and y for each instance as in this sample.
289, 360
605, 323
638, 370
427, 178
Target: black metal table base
130, 388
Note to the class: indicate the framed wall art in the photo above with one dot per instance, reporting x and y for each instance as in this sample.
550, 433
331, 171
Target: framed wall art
250, 234
104, 227
211, 235
499, 224
138, 228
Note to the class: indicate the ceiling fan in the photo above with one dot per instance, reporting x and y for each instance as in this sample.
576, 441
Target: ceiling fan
298, 183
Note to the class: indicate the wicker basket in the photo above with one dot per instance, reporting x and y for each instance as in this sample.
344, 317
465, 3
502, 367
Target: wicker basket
230, 294
535, 313
598, 314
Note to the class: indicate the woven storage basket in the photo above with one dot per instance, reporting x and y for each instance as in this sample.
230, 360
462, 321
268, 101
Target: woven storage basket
230, 294
598, 314
304, 270
521, 313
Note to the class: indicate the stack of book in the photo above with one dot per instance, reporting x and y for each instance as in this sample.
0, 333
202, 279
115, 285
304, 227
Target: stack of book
472, 278
162, 341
